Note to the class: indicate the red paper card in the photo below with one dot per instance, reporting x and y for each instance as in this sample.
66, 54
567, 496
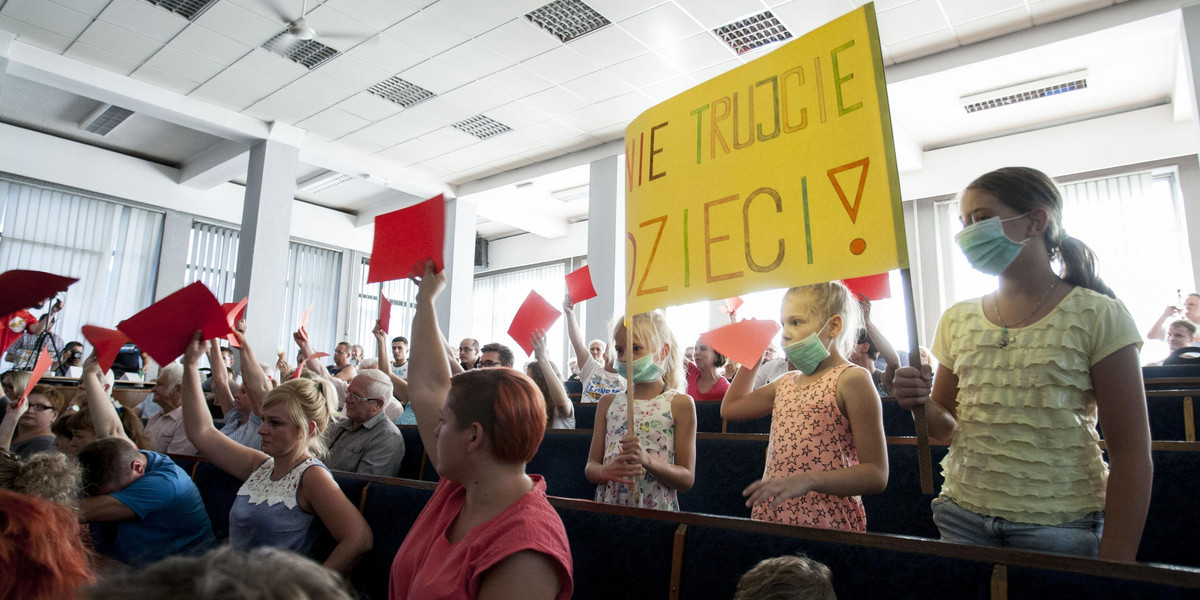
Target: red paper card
385, 313
234, 312
874, 287
39, 368
304, 317
23, 289
732, 304
107, 343
406, 238
579, 285
744, 342
535, 313
165, 328
300, 367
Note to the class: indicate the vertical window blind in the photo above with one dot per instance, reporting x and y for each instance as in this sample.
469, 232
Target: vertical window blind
402, 293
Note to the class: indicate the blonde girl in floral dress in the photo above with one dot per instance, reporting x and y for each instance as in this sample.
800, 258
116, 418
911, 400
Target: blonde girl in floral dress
646, 469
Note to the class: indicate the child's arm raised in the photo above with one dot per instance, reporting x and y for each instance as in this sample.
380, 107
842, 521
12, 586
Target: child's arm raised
744, 403
621, 469
860, 403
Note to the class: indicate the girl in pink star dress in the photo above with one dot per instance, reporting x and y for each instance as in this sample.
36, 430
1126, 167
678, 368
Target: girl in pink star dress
827, 445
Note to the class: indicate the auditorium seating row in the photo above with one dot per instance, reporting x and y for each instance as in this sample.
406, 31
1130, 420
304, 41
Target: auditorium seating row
727, 463
621, 552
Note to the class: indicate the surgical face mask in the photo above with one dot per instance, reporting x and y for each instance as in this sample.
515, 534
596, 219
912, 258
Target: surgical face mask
808, 353
645, 370
987, 247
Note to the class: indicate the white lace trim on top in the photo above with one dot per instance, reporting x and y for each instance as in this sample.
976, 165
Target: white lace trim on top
261, 488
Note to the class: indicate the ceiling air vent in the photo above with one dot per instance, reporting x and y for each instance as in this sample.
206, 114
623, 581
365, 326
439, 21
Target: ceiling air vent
325, 182
308, 53
188, 9
105, 119
567, 19
571, 194
394, 89
753, 32
1024, 92
481, 127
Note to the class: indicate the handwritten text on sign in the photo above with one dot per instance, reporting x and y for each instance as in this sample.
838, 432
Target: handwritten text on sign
778, 173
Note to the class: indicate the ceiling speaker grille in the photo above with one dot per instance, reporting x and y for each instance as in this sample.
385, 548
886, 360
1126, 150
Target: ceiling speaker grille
188, 9
753, 32
406, 94
311, 54
105, 119
481, 127
567, 19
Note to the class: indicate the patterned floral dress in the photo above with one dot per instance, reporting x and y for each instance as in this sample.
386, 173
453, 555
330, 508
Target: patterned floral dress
810, 433
656, 429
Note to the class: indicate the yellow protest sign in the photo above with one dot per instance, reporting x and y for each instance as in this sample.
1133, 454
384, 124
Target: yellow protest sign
778, 173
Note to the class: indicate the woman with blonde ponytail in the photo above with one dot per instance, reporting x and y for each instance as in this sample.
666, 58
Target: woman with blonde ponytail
282, 493
1024, 374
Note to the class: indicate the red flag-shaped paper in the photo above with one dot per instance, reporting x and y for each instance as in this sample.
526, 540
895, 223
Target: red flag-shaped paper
165, 328
406, 238
535, 313
107, 343
21, 289
300, 367
39, 368
234, 312
304, 317
874, 287
732, 304
385, 313
579, 285
744, 342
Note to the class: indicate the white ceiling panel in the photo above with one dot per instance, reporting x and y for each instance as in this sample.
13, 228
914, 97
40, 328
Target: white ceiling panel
269, 67
608, 46
121, 42
644, 70
999, 23
337, 29
695, 53
36, 36
321, 89
353, 72
285, 106
472, 17
626, 106
446, 139
517, 81
376, 14
140, 17
619, 10
962, 12
519, 39
560, 64
333, 123
702, 75
801, 17
597, 86
373, 138
210, 45
435, 76
242, 84
662, 25
554, 101
406, 154
87, 7
551, 130
54, 18
587, 118
478, 97
427, 34
715, 14
221, 97
1045, 11
388, 53
473, 61
101, 58
668, 89
412, 124
909, 21
369, 106
517, 114
165, 80
184, 64
923, 45
235, 22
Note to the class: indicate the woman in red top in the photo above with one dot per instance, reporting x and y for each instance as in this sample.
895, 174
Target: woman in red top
488, 531
704, 380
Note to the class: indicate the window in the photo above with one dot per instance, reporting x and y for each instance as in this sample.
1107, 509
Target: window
313, 274
212, 259
497, 298
402, 293
112, 248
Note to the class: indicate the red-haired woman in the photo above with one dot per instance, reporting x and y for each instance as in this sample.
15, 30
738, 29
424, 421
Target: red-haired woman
488, 531
39, 540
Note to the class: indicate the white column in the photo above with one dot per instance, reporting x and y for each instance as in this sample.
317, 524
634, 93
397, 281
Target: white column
1190, 42
455, 307
606, 245
266, 230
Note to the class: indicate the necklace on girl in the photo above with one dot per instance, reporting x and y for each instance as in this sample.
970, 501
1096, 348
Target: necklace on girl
1005, 340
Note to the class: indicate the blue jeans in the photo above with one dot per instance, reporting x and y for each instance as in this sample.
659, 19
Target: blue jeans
957, 524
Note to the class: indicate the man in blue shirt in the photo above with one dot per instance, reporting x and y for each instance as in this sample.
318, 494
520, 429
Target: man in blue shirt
142, 507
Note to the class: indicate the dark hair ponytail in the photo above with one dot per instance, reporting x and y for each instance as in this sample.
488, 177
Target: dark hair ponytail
1026, 189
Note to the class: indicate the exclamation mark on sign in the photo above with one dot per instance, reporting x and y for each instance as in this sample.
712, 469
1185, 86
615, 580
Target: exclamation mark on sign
857, 245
